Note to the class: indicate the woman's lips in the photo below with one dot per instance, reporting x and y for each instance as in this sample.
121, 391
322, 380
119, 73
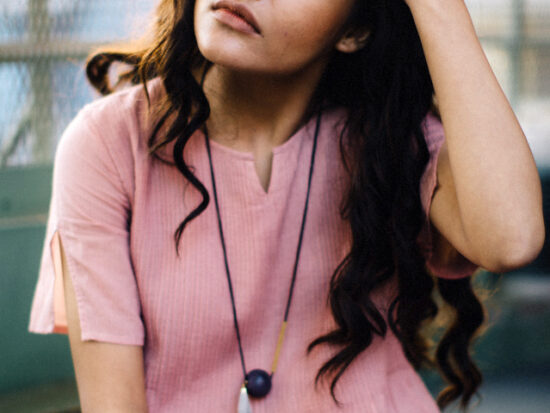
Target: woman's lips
236, 15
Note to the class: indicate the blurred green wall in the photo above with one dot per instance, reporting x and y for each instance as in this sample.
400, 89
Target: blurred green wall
25, 359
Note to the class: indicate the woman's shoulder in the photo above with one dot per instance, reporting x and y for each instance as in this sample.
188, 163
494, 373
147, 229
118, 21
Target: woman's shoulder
120, 122
123, 112
110, 134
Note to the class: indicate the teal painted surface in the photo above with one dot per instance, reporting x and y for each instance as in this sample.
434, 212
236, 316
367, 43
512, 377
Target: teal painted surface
516, 342
27, 359
55, 397
24, 192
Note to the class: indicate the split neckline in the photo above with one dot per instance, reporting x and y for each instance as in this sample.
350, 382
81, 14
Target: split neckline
283, 165
286, 146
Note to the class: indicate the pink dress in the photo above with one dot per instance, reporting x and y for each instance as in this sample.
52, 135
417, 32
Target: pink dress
116, 210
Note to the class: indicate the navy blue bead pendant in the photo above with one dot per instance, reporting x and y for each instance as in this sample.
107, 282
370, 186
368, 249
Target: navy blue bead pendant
258, 383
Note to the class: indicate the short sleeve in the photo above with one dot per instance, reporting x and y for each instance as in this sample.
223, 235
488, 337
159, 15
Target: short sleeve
460, 267
89, 214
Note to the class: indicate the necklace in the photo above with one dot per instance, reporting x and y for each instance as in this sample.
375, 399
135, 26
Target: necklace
257, 382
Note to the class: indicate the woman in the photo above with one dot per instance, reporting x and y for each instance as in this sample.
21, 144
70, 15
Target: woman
311, 127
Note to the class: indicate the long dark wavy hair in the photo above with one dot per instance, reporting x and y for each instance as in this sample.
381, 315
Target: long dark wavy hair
387, 91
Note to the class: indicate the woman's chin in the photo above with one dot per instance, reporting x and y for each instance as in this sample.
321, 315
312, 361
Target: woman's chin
232, 60
236, 65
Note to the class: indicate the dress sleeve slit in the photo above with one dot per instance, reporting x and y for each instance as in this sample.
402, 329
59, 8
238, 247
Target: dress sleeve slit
60, 314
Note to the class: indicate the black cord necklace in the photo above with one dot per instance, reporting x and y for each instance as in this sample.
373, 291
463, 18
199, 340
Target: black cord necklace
257, 383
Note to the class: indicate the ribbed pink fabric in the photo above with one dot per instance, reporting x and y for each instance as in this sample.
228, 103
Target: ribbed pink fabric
116, 210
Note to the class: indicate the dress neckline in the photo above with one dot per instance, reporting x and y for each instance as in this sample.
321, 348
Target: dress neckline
286, 146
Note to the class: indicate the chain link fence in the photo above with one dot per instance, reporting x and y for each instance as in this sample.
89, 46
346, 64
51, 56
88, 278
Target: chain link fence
43, 44
516, 38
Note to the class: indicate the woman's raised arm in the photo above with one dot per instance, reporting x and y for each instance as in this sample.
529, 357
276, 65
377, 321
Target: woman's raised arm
110, 377
488, 204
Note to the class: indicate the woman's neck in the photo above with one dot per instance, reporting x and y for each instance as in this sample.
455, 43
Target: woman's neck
251, 112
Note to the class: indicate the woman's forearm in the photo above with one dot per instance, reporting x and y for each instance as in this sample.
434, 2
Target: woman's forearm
496, 183
110, 377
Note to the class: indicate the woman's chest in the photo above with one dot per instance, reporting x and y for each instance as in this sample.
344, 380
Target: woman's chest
261, 233
261, 244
